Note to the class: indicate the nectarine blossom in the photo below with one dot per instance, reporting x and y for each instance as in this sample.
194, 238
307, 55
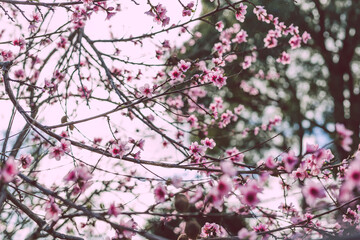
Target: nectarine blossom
345, 136
312, 191
160, 193
9, 170
52, 210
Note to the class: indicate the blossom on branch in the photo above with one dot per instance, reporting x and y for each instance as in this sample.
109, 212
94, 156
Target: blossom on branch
9, 170
284, 58
345, 136
160, 193
240, 12
312, 191
25, 160
249, 193
52, 210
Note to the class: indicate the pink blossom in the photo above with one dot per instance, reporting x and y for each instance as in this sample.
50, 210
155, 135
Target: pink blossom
228, 168
84, 92
119, 149
83, 173
146, 90
226, 118
19, 74
9, 170
215, 198
295, 42
260, 12
270, 40
249, 193
241, 12
284, 58
62, 43
290, 160
249, 89
210, 230
230, 58
179, 134
7, 55
25, 160
245, 234
80, 173
110, 15
346, 192
301, 172
224, 186
217, 78
20, 42
136, 155
219, 26
234, 155
351, 217
270, 163
115, 150
219, 48
65, 145
184, 66
176, 74
308, 217
352, 175
114, 210
317, 160
160, 15
56, 152
192, 119
261, 228
96, 141
81, 187
71, 176
80, 176
219, 61
240, 37
150, 117
293, 30
196, 149
256, 131
238, 109
310, 148
247, 62
312, 191
197, 196
186, 12
159, 53
52, 210
345, 136
305, 37
140, 144
208, 143
64, 134
160, 193
126, 234
36, 17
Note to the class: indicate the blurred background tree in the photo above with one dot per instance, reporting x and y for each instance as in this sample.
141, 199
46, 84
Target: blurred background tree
318, 89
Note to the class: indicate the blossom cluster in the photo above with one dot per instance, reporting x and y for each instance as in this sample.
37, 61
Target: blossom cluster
181, 109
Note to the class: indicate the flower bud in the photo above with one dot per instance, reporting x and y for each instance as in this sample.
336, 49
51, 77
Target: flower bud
64, 119
181, 203
192, 229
